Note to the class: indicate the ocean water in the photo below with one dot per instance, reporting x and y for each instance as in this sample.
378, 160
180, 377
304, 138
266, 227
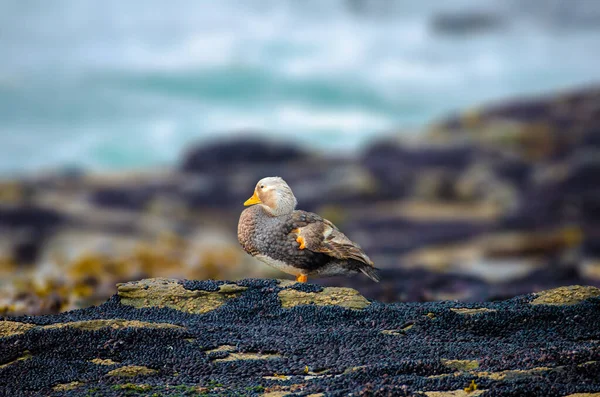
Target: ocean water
116, 85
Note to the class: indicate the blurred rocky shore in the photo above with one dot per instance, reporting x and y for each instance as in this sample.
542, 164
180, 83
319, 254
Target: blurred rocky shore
487, 204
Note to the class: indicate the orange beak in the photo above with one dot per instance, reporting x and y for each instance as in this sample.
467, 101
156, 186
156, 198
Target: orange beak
252, 200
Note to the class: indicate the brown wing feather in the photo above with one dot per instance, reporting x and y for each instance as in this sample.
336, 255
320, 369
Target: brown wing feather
320, 235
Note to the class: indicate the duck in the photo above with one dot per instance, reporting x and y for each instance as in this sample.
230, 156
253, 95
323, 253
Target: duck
297, 242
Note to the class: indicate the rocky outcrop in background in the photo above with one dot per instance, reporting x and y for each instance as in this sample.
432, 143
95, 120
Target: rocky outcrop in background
488, 204
278, 338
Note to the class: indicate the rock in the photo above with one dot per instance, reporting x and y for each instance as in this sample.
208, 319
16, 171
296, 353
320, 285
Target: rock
471, 311
170, 293
513, 374
566, 295
128, 198
395, 235
518, 245
132, 191
92, 325
395, 167
26, 355
107, 362
254, 344
584, 395
461, 365
131, 371
556, 273
29, 216
416, 285
10, 328
495, 202
454, 393
248, 356
63, 387
27, 227
344, 297
537, 128
451, 157
276, 394
130, 388
236, 153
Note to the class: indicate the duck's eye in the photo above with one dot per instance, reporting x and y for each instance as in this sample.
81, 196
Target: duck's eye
262, 186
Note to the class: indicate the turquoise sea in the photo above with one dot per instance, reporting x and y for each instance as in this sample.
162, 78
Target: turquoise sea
110, 85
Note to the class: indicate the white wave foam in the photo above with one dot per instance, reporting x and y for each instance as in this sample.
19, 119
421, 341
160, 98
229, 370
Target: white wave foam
347, 121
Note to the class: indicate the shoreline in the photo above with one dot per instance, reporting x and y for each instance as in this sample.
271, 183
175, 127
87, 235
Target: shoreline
490, 203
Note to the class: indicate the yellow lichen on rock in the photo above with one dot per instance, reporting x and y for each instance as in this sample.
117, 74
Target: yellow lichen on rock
234, 355
163, 292
392, 332
223, 348
472, 387
67, 386
11, 328
344, 297
277, 377
284, 283
460, 365
95, 265
132, 370
26, 355
248, 356
454, 393
470, 312
566, 295
398, 332
100, 361
135, 388
354, 369
92, 325
463, 367
513, 373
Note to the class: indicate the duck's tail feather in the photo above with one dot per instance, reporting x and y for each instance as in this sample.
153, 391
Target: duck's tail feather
371, 272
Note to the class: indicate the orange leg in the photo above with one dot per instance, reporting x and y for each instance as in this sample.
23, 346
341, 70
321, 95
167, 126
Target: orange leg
300, 241
301, 278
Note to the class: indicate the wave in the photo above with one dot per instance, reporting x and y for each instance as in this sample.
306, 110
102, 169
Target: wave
128, 84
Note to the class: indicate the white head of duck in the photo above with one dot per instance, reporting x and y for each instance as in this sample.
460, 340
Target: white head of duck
274, 195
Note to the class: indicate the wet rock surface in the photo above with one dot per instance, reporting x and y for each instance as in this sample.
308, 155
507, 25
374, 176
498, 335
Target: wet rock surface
252, 345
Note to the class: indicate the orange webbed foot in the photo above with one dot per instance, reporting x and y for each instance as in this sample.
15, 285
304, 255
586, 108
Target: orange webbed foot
300, 240
301, 278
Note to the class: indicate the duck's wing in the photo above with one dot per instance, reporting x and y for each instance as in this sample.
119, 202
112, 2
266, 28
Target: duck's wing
320, 235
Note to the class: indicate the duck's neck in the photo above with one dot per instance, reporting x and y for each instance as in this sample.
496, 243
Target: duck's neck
274, 212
